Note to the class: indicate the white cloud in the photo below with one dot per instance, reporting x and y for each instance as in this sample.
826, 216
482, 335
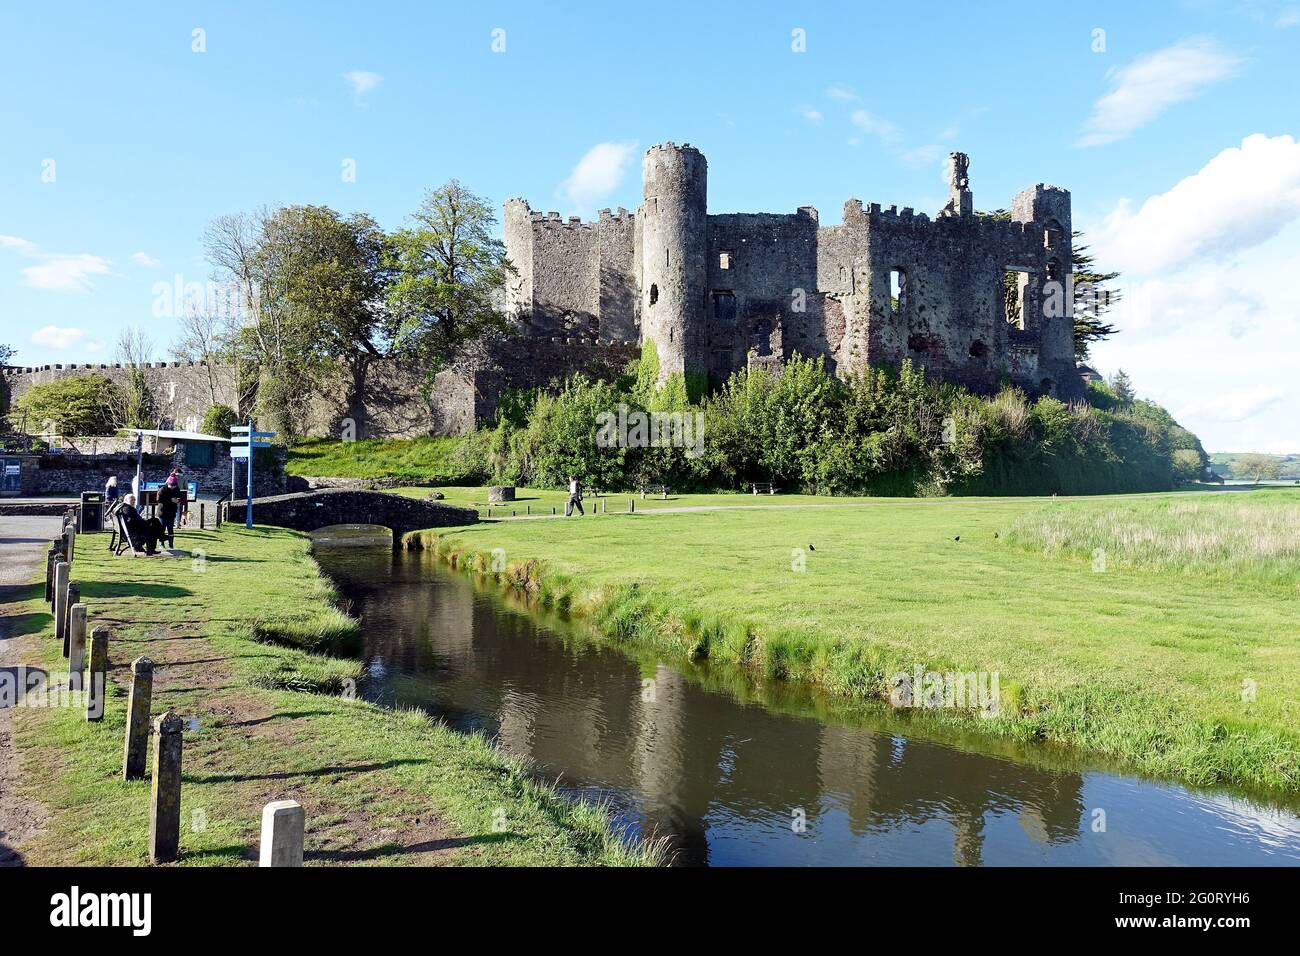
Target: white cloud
1232, 407
20, 246
1287, 19
841, 94
57, 271
55, 337
1240, 198
597, 174
810, 114
362, 81
1143, 89
144, 259
876, 126
66, 273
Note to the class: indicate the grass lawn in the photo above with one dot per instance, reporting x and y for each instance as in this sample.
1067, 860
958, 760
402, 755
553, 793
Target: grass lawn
1147, 660
378, 787
412, 459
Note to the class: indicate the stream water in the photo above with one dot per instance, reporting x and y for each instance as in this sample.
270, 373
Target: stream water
731, 774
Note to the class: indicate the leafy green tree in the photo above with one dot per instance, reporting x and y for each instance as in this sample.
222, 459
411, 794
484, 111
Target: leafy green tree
7, 352
73, 406
1259, 467
1187, 465
448, 272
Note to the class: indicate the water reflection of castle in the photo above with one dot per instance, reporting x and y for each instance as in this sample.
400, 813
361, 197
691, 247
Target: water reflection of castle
691, 752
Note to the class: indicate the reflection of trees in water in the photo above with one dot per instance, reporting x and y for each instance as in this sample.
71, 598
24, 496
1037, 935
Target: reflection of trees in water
577, 710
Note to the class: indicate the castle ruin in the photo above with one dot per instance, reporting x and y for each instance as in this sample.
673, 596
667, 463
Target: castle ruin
976, 299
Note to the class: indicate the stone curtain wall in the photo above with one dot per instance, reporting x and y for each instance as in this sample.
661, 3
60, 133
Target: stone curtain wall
183, 391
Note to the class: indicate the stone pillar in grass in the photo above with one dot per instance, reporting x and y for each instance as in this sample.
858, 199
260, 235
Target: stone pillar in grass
282, 834
137, 719
74, 597
76, 645
50, 557
165, 799
97, 675
60, 598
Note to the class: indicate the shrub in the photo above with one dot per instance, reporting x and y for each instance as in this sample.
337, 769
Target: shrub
218, 419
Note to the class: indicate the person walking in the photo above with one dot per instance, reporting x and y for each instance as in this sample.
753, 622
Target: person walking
575, 497
171, 499
110, 490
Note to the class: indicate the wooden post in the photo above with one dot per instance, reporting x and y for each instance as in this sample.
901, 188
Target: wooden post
70, 535
97, 675
137, 720
60, 598
76, 645
165, 799
50, 557
528, 509
74, 597
282, 832
202, 518
631, 506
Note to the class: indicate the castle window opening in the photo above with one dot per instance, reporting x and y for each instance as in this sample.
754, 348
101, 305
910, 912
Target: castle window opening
1054, 270
1052, 235
668, 257
897, 290
654, 293
1014, 284
724, 260
724, 308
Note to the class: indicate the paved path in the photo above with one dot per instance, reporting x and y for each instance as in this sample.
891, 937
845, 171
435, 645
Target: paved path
23, 543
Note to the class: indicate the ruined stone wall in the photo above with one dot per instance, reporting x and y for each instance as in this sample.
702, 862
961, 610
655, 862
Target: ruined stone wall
764, 298
183, 391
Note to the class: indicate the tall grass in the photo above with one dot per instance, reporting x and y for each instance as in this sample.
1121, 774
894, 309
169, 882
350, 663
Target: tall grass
1242, 535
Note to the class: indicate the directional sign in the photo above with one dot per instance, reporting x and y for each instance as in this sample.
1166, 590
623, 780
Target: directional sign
243, 439
238, 451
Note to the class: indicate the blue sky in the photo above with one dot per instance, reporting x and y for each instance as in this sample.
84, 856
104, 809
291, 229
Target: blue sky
1175, 131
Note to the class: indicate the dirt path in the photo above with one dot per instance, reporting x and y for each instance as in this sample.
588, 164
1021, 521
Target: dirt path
23, 543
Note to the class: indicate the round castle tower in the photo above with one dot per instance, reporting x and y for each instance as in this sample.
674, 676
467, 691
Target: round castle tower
674, 256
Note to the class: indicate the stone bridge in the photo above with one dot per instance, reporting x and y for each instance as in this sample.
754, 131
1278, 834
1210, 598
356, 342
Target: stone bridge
310, 510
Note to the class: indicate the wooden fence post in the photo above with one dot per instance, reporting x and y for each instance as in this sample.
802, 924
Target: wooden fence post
74, 597
60, 598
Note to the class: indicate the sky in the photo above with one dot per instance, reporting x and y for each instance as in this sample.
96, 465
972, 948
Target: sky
1175, 125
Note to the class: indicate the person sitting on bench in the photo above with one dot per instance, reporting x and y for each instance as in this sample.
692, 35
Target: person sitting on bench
150, 531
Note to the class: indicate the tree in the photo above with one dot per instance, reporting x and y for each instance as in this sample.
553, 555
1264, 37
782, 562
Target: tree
6, 353
314, 288
1122, 386
1091, 299
449, 271
218, 419
1187, 465
1258, 467
77, 405
133, 401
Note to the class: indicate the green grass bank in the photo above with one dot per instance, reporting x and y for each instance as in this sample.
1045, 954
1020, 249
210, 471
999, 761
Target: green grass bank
1180, 667
236, 632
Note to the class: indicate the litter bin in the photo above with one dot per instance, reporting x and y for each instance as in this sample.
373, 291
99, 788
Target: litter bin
92, 512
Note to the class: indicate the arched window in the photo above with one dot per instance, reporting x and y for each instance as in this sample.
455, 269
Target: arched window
897, 290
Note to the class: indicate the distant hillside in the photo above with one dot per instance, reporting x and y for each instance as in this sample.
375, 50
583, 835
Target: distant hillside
1225, 463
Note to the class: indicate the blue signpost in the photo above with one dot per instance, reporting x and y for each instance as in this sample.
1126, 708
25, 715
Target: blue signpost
243, 439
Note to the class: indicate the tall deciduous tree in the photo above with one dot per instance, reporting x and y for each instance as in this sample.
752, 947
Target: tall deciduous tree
134, 403
449, 273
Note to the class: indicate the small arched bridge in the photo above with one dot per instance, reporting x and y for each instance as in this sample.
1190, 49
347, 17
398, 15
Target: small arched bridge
310, 510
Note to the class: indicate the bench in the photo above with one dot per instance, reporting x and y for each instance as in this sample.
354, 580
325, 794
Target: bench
661, 490
122, 538
764, 487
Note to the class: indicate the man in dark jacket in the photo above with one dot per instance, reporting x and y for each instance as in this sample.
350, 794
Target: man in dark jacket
149, 531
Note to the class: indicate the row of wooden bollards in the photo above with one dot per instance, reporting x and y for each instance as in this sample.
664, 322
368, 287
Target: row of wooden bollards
282, 821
